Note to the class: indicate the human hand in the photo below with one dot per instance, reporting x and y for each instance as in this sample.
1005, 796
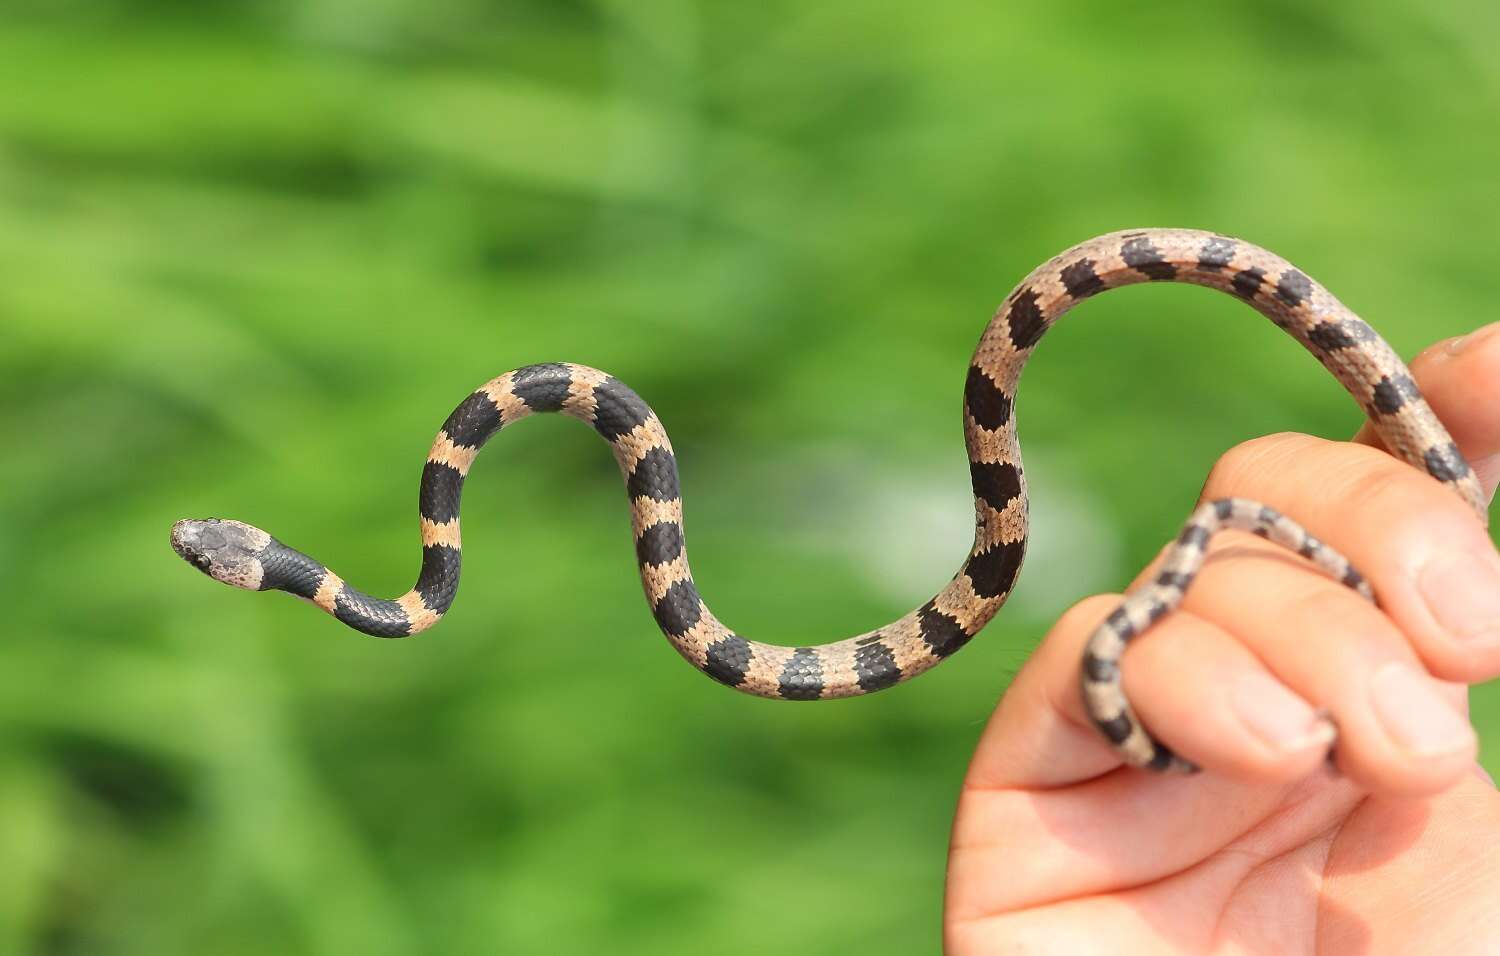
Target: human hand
1058, 847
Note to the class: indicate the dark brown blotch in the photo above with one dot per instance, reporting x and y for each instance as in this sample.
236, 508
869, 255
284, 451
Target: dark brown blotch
1025, 319
987, 403
1140, 255
1081, 280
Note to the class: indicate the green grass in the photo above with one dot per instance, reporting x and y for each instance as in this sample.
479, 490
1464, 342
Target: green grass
251, 254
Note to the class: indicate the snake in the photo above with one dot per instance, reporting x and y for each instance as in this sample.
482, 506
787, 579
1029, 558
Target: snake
244, 556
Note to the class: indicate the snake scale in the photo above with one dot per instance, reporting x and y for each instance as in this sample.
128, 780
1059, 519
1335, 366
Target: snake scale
246, 557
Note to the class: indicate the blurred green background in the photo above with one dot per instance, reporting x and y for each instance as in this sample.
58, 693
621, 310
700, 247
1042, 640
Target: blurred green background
252, 253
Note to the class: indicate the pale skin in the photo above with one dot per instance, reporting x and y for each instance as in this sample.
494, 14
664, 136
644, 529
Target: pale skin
1057, 848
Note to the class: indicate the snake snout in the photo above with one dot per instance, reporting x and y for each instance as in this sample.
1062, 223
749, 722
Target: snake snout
187, 541
224, 550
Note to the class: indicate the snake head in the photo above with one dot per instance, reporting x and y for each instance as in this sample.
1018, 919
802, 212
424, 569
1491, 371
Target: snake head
224, 550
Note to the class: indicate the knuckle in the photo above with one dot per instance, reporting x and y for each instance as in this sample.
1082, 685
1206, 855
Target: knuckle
1249, 457
1380, 489
1396, 498
1323, 609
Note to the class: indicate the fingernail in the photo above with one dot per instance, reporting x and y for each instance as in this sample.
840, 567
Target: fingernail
1462, 589
1488, 470
1457, 345
1410, 708
1281, 719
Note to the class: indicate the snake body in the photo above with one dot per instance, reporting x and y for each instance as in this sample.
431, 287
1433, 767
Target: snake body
244, 556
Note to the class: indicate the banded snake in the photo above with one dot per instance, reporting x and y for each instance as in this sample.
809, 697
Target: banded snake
246, 557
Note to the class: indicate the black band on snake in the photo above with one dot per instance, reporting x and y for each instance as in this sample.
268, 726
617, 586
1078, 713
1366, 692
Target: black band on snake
247, 557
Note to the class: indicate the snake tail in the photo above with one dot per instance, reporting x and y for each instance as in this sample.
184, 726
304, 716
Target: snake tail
244, 556
1100, 678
